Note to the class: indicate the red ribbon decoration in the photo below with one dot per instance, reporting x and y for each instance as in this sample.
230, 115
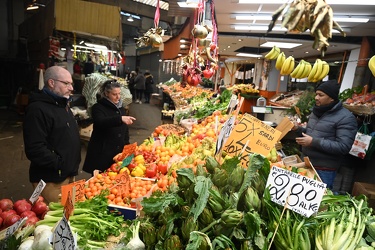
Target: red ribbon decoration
157, 14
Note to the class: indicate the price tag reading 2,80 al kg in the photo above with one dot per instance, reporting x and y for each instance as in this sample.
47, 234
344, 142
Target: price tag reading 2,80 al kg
299, 193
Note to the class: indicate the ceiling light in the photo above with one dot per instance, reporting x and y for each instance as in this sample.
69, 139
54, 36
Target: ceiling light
331, 2
32, 7
97, 46
276, 28
81, 42
248, 55
280, 45
351, 19
130, 19
189, 4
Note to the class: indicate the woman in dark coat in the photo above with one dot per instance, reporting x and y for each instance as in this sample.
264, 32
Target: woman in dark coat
110, 129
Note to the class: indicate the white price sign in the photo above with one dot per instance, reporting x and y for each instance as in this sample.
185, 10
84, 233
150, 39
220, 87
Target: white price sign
63, 238
37, 192
298, 193
12, 229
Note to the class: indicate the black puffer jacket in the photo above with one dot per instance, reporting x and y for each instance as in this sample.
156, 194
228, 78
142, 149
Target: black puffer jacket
51, 138
109, 136
333, 136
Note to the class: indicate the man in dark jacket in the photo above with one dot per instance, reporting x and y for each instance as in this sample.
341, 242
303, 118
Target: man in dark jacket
51, 134
330, 132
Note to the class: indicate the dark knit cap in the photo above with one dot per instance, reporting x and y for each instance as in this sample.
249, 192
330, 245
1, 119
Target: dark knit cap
331, 88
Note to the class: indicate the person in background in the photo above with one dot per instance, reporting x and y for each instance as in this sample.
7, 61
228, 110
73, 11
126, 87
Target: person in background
88, 68
329, 133
77, 71
131, 79
140, 86
51, 134
149, 81
110, 129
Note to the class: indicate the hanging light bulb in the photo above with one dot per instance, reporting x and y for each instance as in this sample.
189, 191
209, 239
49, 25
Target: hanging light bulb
130, 19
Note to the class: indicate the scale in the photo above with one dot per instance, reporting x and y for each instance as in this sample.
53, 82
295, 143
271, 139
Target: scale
261, 109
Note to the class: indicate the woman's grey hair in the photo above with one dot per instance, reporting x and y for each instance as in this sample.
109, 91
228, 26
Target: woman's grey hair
108, 86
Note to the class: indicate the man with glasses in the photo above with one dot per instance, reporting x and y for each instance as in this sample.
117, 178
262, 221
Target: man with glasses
51, 134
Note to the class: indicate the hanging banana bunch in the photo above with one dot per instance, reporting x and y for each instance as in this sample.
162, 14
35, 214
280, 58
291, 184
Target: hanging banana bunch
319, 70
371, 65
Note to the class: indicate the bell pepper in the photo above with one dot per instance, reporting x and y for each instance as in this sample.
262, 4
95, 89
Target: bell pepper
137, 172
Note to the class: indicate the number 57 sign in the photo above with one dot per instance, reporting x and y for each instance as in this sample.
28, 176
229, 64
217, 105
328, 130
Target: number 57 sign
298, 193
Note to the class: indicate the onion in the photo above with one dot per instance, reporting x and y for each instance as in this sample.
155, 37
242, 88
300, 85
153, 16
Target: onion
11, 219
22, 207
5, 214
28, 214
6, 204
40, 207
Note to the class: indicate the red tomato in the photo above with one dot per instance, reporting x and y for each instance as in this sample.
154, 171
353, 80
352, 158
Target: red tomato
131, 166
114, 167
151, 171
163, 168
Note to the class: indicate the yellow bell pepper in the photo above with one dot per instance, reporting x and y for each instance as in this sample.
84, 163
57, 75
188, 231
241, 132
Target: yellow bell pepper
137, 172
139, 159
125, 169
143, 167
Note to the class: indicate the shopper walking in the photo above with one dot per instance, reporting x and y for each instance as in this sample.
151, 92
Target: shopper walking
329, 133
140, 86
51, 134
110, 129
149, 89
131, 84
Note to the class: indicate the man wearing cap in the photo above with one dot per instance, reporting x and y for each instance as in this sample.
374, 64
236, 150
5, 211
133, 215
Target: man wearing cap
330, 132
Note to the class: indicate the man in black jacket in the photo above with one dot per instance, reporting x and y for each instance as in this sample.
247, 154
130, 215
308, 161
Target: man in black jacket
51, 134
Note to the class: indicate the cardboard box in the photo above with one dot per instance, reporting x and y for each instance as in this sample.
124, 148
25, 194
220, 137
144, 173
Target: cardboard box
86, 132
295, 161
367, 189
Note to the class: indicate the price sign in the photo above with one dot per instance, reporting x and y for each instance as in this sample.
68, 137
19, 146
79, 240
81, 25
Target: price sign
224, 133
79, 187
12, 229
63, 237
69, 205
299, 193
251, 135
37, 192
123, 183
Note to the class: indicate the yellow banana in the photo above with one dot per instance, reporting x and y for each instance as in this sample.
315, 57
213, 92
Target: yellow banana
288, 66
297, 71
280, 61
314, 70
301, 69
319, 70
273, 54
325, 70
371, 65
306, 70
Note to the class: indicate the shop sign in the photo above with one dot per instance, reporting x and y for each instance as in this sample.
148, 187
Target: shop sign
251, 135
296, 192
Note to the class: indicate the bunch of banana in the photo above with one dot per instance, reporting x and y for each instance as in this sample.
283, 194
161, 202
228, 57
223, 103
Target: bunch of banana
273, 54
288, 66
318, 71
280, 61
302, 70
371, 65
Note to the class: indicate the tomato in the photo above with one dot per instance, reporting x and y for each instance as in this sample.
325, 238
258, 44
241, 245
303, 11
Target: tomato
131, 166
114, 167
163, 168
151, 171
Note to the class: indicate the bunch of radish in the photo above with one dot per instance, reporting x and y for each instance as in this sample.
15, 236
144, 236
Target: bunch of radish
11, 212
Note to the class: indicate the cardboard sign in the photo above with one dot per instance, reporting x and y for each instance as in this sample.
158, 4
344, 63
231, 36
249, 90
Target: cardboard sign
12, 229
79, 187
122, 183
63, 237
298, 193
69, 204
37, 192
251, 135
224, 133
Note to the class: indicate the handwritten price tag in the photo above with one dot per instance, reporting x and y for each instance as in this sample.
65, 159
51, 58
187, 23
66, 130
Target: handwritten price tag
63, 237
300, 194
37, 192
251, 135
12, 229
79, 187
224, 133
123, 183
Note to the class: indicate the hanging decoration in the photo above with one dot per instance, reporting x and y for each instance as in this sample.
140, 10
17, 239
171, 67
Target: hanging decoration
153, 37
202, 57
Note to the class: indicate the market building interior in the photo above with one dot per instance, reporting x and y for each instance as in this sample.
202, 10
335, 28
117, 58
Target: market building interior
40, 33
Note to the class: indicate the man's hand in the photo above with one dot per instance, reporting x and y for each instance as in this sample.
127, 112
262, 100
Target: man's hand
305, 140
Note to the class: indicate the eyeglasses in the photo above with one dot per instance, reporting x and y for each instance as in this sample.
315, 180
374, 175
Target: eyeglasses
66, 83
